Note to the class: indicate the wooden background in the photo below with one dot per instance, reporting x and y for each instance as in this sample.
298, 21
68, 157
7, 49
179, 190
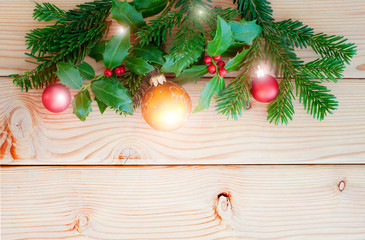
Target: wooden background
198, 200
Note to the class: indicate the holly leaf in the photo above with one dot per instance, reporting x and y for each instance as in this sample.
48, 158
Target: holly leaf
150, 53
223, 38
69, 75
87, 72
245, 31
82, 104
234, 64
150, 7
117, 49
192, 74
138, 65
112, 94
215, 85
97, 52
174, 65
127, 15
102, 106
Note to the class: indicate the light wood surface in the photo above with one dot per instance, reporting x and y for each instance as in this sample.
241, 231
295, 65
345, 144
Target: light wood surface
263, 202
330, 16
32, 135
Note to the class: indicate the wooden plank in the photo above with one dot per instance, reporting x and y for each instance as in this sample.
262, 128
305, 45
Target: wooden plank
263, 202
32, 135
332, 17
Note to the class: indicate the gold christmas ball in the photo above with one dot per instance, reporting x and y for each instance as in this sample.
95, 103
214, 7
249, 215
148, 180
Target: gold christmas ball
166, 106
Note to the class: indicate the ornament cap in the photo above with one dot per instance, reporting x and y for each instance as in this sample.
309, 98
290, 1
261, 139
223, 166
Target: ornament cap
157, 79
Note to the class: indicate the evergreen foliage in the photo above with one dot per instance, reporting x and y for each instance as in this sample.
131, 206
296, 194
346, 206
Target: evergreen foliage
74, 34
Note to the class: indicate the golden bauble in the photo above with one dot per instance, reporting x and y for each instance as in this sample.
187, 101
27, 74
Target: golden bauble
166, 107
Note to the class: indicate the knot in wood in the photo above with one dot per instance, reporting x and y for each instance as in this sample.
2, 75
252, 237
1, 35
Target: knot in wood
224, 206
21, 123
81, 223
129, 153
341, 185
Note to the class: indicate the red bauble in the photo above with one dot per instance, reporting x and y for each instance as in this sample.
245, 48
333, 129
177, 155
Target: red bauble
56, 98
265, 88
207, 59
217, 58
222, 72
212, 68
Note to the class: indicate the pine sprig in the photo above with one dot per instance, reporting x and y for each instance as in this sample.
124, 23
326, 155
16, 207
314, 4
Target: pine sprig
234, 98
324, 69
69, 39
47, 12
157, 31
316, 98
259, 10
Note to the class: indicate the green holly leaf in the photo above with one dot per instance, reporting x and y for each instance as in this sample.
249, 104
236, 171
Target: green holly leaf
127, 15
82, 104
69, 75
192, 74
87, 72
215, 85
117, 49
223, 38
112, 94
174, 65
138, 65
234, 64
97, 52
150, 7
150, 53
102, 106
245, 31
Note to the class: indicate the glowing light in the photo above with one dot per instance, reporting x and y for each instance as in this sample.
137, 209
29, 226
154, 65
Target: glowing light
260, 72
172, 118
200, 12
122, 29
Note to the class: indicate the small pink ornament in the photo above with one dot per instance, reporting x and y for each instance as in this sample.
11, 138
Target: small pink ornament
56, 98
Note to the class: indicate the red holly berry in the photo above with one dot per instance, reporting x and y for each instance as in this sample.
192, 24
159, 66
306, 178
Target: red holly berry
217, 58
212, 68
122, 69
108, 72
207, 59
221, 64
117, 70
222, 72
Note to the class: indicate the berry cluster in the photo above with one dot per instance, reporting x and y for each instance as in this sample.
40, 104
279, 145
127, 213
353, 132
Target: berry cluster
212, 67
118, 71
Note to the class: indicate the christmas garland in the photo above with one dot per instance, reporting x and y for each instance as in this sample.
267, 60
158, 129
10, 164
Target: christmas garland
200, 35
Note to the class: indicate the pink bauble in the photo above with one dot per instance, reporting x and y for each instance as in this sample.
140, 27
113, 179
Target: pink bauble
56, 98
265, 88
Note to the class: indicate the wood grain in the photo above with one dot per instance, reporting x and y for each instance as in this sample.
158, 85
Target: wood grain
261, 202
330, 16
32, 135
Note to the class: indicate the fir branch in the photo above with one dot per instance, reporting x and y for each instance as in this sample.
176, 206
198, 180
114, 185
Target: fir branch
333, 46
47, 12
324, 69
294, 33
236, 95
316, 98
157, 31
69, 39
234, 98
281, 109
259, 10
